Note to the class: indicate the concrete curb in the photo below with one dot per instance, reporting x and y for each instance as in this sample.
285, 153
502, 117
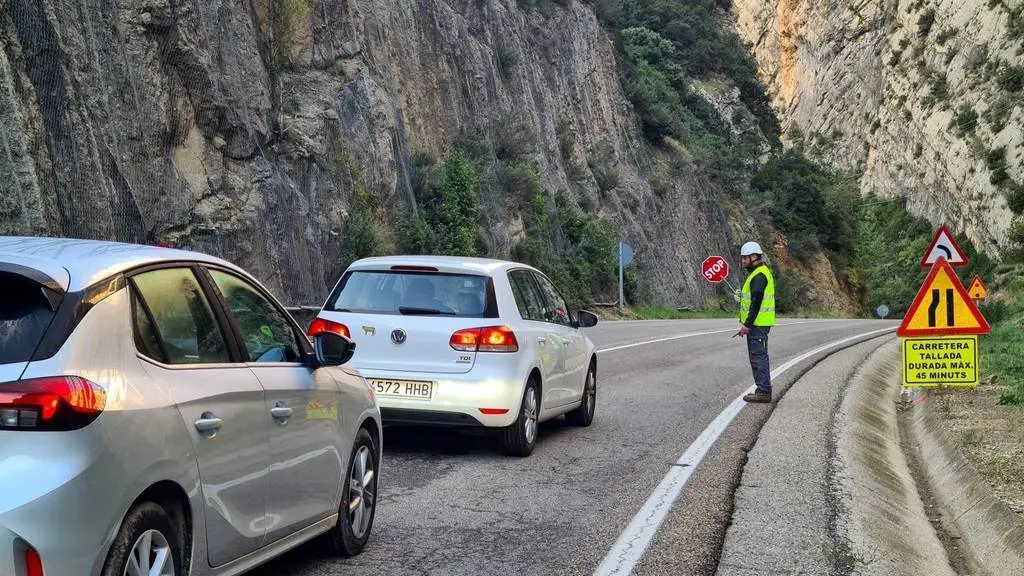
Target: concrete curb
881, 517
993, 534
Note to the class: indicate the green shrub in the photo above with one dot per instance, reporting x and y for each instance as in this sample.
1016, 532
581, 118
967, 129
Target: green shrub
964, 120
995, 311
576, 250
656, 102
602, 166
415, 236
925, 22
684, 40
284, 19
1011, 78
459, 207
996, 158
791, 291
520, 182
998, 113
515, 138
508, 58
890, 246
360, 238
1015, 199
944, 35
939, 88
1013, 252
814, 207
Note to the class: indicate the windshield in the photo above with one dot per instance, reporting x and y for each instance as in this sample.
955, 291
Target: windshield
414, 293
24, 317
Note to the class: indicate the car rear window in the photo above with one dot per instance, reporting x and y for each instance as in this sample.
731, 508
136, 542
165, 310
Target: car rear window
24, 316
415, 293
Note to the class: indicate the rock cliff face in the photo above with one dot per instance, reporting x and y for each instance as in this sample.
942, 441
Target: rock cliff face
223, 125
920, 98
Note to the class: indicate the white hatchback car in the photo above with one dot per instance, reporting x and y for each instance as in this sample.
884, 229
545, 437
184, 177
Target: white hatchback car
465, 342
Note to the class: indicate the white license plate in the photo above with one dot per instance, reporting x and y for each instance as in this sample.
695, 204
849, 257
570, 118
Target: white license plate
411, 389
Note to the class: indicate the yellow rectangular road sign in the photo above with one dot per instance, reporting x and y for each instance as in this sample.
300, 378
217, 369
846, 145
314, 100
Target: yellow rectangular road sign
940, 361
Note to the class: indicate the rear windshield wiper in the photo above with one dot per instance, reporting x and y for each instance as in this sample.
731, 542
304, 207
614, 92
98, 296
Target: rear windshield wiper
412, 310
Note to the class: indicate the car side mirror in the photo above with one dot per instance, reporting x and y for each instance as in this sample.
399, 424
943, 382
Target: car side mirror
332, 349
586, 319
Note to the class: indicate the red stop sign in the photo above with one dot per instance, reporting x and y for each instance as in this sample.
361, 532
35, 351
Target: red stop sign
715, 269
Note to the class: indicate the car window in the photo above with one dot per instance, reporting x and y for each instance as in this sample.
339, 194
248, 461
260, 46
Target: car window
24, 317
555, 309
419, 292
267, 333
174, 322
146, 340
528, 296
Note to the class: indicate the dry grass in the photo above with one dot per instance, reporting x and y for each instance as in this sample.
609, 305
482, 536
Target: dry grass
990, 435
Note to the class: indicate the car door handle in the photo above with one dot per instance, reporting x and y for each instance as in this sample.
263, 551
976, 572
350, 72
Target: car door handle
542, 340
208, 423
281, 412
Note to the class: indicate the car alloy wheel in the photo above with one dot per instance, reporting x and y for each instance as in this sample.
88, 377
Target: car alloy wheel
350, 534
530, 415
150, 556
584, 414
361, 491
519, 438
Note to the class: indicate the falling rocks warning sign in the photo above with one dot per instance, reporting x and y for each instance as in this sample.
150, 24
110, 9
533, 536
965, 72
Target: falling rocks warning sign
940, 361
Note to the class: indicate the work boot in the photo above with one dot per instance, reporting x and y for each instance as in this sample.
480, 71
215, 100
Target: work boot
758, 396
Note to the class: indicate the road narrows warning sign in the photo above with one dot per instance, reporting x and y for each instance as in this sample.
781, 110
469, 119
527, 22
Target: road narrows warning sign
942, 307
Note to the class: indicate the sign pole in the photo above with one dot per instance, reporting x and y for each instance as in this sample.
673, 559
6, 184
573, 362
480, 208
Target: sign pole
622, 292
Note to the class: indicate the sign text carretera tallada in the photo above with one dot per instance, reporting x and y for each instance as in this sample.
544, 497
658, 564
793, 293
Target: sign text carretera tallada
946, 361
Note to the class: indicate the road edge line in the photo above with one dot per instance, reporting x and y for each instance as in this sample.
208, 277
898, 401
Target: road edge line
629, 548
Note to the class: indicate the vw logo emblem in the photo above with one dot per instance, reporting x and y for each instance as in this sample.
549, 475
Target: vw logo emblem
398, 336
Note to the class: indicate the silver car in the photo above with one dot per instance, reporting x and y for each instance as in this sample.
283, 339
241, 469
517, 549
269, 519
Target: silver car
161, 413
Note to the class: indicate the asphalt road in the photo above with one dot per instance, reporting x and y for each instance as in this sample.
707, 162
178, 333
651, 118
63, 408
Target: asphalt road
452, 504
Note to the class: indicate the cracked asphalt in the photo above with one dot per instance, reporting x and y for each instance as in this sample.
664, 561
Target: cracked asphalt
451, 504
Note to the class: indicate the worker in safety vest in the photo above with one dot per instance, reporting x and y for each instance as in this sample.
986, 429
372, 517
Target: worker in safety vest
757, 316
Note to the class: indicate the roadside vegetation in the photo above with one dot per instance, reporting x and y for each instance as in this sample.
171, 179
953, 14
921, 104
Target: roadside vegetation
668, 52
889, 248
1001, 351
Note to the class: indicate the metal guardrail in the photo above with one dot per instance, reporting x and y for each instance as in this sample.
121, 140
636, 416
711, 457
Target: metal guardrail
304, 315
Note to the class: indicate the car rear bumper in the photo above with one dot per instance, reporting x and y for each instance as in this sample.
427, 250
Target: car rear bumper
56, 499
459, 400
404, 416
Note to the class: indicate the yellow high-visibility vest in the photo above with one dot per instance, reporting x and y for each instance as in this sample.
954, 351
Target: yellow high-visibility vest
766, 314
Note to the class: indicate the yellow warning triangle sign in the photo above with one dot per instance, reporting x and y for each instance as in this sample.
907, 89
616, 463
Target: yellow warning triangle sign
942, 306
978, 291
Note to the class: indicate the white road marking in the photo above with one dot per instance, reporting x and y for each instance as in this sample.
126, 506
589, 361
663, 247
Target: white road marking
633, 542
689, 335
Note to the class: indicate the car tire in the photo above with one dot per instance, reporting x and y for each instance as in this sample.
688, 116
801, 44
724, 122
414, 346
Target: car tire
146, 530
520, 438
584, 415
358, 499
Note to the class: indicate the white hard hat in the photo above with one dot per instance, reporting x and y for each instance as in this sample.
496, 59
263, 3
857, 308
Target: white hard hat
751, 248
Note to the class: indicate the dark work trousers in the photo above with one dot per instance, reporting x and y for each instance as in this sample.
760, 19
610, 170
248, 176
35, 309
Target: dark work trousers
757, 349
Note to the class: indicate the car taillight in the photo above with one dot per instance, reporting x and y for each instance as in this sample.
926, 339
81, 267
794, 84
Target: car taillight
321, 325
50, 404
33, 563
489, 339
